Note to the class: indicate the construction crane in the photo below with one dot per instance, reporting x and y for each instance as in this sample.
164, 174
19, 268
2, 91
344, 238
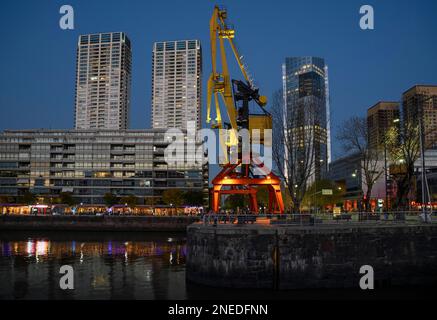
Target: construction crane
237, 177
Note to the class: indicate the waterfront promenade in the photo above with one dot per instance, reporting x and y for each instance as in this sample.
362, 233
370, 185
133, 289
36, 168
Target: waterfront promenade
97, 223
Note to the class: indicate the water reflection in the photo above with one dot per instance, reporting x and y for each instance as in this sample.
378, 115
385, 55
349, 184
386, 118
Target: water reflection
107, 266
40, 249
127, 266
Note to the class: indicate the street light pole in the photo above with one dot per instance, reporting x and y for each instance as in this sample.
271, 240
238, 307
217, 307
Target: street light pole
422, 151
386, 170
385, 174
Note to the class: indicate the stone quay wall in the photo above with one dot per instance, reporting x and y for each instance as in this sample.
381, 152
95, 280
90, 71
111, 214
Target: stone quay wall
281, 257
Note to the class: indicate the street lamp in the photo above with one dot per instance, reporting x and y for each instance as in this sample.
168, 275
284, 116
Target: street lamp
355, 175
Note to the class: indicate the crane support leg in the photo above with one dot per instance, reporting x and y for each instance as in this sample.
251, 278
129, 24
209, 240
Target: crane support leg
230, 181
216, 197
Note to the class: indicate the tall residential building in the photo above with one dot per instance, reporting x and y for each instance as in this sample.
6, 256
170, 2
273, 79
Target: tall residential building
380, 118
103, 81
306, 110
176, 84
418, 102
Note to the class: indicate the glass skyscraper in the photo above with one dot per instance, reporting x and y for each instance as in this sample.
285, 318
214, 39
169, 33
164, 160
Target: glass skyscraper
306, 110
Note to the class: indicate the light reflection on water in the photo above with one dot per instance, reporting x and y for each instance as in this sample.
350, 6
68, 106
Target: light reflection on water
128, 266
107, 266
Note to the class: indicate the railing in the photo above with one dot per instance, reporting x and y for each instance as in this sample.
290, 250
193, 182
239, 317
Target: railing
318, 219
274, 219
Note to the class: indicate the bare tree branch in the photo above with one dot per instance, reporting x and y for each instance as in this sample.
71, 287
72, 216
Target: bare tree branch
353, 135
294, 148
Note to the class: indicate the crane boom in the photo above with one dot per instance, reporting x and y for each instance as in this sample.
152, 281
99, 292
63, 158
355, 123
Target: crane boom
220, 84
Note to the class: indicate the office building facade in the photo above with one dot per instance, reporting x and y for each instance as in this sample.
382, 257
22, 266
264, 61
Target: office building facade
306, 109
380, 119
103, 81
420, 102
176, 84
91, 163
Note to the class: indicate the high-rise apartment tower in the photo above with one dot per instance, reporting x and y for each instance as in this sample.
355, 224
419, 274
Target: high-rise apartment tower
103, 81
176, 84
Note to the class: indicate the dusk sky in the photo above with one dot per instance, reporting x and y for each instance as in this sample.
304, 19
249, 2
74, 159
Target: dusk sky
38, 59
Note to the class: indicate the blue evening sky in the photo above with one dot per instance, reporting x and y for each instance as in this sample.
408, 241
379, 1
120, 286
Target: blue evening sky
37, 58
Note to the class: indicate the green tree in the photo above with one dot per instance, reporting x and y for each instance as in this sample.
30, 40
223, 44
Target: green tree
110, 199
28, 198
67, 198
48, 200
173, 197
403, 148
315, 198
236, 200
130, 200
263, 196
288, 201
149, 201
193, 198
7, 199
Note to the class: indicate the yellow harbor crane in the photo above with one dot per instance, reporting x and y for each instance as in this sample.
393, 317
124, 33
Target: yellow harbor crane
237, 178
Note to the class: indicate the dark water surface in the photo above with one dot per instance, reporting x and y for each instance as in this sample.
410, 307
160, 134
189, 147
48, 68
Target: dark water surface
125, 266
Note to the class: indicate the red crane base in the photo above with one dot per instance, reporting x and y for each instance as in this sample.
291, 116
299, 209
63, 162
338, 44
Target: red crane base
238, 183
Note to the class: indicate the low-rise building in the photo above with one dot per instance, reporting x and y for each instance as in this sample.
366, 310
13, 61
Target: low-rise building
91, 163
348, 173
